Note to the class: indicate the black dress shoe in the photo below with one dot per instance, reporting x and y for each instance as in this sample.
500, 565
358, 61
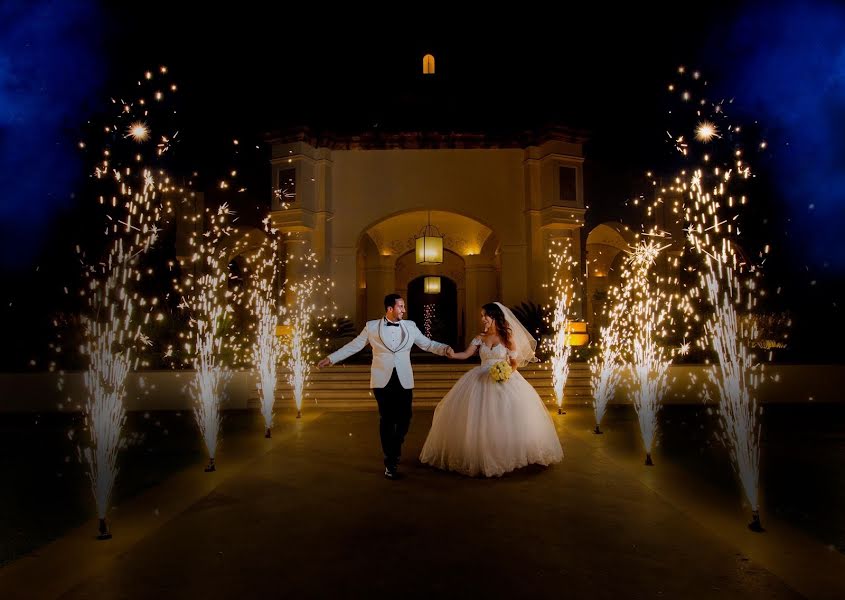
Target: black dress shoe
392, 474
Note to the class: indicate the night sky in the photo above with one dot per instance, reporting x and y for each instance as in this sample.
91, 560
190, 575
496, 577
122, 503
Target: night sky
245, 71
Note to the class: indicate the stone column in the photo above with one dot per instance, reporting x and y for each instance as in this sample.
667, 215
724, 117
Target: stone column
381, 280
514, 276
480, 289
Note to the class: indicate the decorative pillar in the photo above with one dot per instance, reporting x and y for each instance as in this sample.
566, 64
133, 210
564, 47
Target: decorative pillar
381, 280
480, 289
514, 277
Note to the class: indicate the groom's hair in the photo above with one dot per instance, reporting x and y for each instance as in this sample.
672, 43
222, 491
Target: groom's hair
390, 300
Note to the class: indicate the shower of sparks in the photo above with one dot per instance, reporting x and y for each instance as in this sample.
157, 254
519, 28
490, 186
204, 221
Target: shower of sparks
285, 196
134, 120
563, 293
138, 199
112, 332
209, 305
737, 375
264, 303
308, 307
606, 366
736, 378
647, 320
729, 284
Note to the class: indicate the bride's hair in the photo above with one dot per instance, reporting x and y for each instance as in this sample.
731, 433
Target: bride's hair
493, 311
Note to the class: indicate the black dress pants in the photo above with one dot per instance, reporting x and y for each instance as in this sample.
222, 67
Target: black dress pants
394, 407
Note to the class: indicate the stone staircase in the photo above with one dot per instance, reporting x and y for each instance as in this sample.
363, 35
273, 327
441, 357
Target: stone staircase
347, 386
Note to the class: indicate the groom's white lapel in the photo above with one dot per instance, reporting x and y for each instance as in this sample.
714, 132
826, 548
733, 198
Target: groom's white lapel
379, 329
406, 335
403, 340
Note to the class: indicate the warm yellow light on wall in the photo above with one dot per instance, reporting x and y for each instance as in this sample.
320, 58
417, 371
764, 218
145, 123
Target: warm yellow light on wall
578, 335
431, 285
428, 64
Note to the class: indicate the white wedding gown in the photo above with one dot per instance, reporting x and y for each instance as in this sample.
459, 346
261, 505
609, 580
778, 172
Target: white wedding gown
483, 427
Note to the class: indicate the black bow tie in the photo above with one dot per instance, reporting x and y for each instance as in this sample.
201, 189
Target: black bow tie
389, 324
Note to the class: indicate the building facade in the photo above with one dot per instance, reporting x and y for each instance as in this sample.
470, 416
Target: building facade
360, 203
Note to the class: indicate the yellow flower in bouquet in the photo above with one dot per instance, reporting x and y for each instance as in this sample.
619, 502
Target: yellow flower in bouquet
501, 371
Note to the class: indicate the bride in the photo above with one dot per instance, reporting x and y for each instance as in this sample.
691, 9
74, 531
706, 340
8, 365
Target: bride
488, 427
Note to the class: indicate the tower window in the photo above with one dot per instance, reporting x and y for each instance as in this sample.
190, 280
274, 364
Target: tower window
428, 64
568, 190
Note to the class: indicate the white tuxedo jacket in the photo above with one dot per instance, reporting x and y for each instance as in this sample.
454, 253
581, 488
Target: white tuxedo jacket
386, 358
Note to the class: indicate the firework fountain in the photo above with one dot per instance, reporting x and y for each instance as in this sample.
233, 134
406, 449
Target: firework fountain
562, 297
309, 306
647, 312
267, 347
206, 298
737, 374
606, 366
727, 283
112, 329
116, 313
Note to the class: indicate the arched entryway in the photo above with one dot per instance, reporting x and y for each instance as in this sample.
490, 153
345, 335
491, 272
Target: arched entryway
387, 263
452, 270
436, 314
607, 244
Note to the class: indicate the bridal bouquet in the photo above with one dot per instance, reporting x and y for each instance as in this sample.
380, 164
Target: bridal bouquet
501, 371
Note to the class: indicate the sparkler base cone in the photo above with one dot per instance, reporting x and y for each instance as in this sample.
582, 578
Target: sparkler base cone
648, 461
210, 468
103, 531
598, 431
268, 433
755, 525
298, 414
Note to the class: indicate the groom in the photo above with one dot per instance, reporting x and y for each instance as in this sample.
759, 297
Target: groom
391, 376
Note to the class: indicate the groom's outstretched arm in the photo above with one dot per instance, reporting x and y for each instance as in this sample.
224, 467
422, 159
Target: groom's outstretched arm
346, 351
429, 345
